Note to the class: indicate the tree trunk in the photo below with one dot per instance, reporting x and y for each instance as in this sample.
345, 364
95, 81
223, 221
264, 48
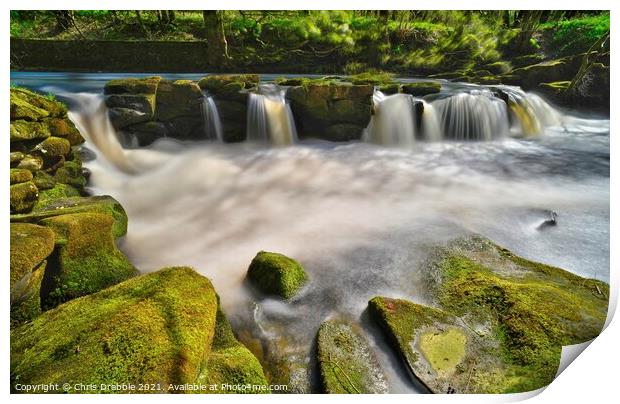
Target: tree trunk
64, 19
217, 47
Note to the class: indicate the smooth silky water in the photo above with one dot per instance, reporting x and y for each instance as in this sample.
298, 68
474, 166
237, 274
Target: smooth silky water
360, 217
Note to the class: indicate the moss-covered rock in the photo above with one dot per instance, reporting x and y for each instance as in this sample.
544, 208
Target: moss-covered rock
371, 77
16, 157
181, 98
87, 258
53, 146
502, 323
276, 274
71, 173
23, 197
231, 363
63, 127
19, 175
31, 162
227, 86
29, 105
131, 85
346, 361
30, 246
317, 106
123, 117
392, 88
93, 204
157, 328
43, 181
421, 88
22, 130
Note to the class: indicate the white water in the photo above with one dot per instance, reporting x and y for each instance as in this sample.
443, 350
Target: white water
360, 218
211, 117
270, 118
393, 120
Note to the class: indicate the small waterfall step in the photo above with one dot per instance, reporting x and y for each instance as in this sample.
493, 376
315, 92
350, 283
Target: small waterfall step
270, 118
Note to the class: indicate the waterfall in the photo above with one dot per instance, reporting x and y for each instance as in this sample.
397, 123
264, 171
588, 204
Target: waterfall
211, 119
430, 124
477, 115
90, 115
270, 118
393, 121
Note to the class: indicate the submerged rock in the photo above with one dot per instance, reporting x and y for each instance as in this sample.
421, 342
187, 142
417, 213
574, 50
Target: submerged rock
501, 323
276, 274
87, 259
346, 361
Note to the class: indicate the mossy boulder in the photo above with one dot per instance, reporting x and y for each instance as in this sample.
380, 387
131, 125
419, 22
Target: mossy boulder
22, 130
347, 363
30, 246
31, 162
94, 204
181, 98
131, 85
231, 363
548, 71
24, 102
228, 85
43, 181
123, 117
421, 88
53, 146
157, 328
316, 106
23, 197
276, 274
392, 88
19, 175
87, 258
71, 173
16, 157
64, 128
512, 316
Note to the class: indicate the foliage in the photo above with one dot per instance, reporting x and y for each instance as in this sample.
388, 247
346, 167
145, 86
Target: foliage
578, 34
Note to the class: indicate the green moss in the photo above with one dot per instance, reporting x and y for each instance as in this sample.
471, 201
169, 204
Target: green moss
276, 274
217, 84
71, 173
19, 175
390, 88
43, 181
346, 361
64, 128
87, 258
231, 363
443, 350
371, 77
58, 191
29, 105
26, 296
25, 130
96, 204
16, 157
132, 86
533, 309
421, 88
54, 146
23, 197
30, 162
30, 245
144, 330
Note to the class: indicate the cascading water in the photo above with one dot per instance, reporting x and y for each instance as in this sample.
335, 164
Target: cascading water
270, 117
211, 118
393, 120
472, 116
